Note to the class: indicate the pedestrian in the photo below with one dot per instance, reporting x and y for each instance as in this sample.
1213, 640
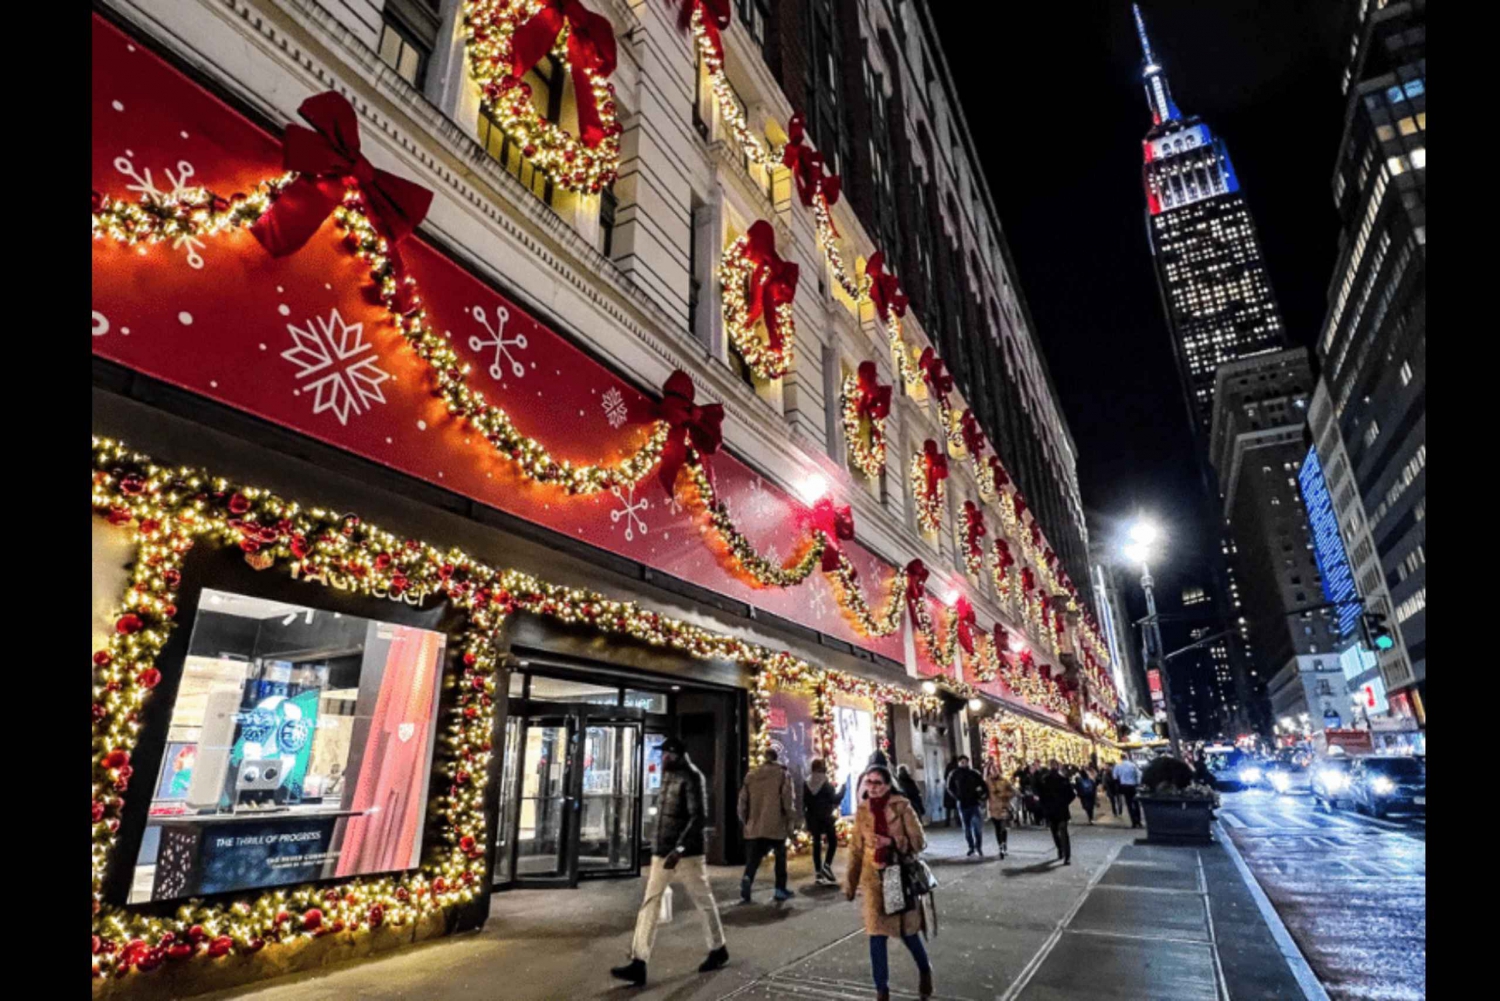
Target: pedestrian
768, 812
1057, 796
877, 757
950, 805
1001, 791
885, 829
1030, 796
1086, 784
969, 791
1128, 775
820, 803
906, 784
1112, 790
676, 854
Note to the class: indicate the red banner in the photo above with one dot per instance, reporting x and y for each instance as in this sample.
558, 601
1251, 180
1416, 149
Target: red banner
302, 342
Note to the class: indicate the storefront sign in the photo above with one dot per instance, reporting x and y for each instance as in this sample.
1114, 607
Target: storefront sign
298, 341
1351, 741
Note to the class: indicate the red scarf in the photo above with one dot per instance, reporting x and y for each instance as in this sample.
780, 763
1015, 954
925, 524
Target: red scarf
882, 829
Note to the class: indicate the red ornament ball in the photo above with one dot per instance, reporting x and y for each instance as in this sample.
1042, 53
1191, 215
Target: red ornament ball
312, 919
129, 623
239, 503
149, 678
117, 758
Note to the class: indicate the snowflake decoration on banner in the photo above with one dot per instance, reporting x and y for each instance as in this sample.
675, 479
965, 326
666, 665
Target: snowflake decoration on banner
632, 513
773, 554
761, 502
181, 190
498, 341
817, 604
674, 506
351, 376
616, 411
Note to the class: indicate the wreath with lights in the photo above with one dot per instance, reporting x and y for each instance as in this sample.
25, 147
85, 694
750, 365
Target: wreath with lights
928, 488
503, 34
864, 433
758, 287
971, 529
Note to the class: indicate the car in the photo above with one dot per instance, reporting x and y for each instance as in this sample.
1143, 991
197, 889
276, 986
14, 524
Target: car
1288, 776
1381, 784
1233, 769
1330, 782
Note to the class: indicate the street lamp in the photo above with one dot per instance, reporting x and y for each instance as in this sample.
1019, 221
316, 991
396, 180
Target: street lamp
1143, 535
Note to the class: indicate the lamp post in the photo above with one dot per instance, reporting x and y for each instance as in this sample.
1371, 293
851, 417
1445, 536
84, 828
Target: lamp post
1142, 535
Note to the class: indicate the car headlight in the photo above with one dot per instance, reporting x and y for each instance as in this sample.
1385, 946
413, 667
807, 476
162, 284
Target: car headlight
1251, 774
1333, 781
1383, 785
1280, 781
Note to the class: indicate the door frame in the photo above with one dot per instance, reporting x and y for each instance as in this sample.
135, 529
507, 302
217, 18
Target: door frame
576, 717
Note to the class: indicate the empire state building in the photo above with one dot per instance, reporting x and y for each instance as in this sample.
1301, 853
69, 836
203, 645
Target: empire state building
1209, 267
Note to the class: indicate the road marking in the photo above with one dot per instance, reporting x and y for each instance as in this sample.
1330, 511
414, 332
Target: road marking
1312, 990
1029, 970
1208, 912
1232, 820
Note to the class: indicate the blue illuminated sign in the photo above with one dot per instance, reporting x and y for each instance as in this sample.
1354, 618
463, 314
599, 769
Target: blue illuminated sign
1328, 545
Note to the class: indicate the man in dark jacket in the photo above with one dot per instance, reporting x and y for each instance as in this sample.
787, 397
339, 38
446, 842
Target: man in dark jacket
1056, 794
967, 788
676, 855
820, 806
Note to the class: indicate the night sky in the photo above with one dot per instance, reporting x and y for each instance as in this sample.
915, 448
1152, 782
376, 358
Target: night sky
1052, 95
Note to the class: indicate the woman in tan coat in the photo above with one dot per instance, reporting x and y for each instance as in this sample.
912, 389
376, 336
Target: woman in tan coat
1001, 792
886, 827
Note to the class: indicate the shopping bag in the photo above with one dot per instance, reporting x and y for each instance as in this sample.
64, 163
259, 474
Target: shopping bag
664, 916
895, 891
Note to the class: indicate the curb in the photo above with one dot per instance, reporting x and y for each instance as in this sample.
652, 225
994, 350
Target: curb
1312, 989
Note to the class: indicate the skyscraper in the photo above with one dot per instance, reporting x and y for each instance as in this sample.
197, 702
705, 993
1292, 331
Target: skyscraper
1209, 267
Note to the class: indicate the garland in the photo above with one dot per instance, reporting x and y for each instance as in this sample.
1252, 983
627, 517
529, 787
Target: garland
759, 285
929, 468
171, 510
971, 530
504, 40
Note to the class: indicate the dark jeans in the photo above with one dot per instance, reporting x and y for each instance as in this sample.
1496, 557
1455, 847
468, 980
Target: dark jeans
1132, 805
757, 847
1116, 801
820, 837
973, 820
1059, 826
1088, 805
1002, 836
880, 966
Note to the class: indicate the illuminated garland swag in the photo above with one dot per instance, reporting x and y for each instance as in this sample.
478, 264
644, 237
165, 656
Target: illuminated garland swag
373, 220
170, 510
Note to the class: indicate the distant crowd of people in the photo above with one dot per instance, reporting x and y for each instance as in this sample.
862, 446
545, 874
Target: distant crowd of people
888, 829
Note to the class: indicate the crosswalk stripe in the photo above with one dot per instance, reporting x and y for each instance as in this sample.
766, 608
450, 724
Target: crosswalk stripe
1232, 820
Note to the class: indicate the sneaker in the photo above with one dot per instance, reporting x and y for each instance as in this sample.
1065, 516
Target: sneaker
633, 972
781, 895
828, 871
826, 879
715, 959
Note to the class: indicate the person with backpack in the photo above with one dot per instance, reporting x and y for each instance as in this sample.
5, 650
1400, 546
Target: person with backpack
1087, 788
820, 805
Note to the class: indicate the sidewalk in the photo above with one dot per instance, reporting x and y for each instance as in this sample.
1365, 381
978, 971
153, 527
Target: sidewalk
1124, 921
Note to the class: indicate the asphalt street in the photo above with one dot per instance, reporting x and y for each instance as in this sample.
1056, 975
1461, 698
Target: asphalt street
1351, 889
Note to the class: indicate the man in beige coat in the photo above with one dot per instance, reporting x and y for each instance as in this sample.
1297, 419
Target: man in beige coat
768, 812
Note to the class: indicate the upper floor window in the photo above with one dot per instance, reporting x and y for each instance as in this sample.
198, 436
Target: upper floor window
755, 15
882, 181
408, 35
825, 75
546, 82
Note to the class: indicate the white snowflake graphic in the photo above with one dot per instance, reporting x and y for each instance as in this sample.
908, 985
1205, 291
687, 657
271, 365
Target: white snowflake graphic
331, 349
498, 341
674, 505
101, 324
146, 185
761, 501
773, 555
615, 409
818, 603
633, 512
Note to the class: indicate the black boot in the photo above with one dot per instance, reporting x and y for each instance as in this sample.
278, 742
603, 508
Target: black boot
715, 959
633, 972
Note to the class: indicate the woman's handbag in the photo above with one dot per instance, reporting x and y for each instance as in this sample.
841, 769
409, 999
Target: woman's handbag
895, 891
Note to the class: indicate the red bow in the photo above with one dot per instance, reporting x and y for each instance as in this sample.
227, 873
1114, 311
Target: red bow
934, 465
715, 19
916, 586
591, 47
1001, 476
1001, 640
689, 423
1028, 580
1045, 605
772, 283
885, 290
806, 165
1036, 535
874, 399
974, 440
1045, 671
1003, 556
1051, 558
933, 371
974, 522
1020, 503
1027, 664
325, 160
963, 619
836, 522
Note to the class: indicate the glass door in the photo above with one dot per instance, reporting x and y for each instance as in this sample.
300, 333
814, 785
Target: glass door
609, 794
543, 806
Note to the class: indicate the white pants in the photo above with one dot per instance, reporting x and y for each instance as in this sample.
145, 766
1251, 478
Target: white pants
691, 873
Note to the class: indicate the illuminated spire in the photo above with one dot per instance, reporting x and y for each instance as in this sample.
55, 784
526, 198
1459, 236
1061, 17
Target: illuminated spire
1158, 94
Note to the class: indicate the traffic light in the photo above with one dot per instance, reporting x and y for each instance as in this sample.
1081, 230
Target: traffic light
1377, 634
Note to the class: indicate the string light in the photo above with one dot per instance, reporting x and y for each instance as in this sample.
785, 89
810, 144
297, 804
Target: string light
867, 450
766, 361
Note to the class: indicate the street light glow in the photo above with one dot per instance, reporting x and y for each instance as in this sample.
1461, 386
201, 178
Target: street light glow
812, 488
1135, 553
1144, 533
